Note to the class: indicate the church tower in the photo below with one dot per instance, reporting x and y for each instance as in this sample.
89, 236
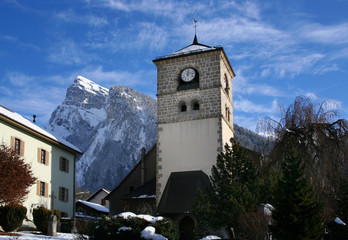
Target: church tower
194, 110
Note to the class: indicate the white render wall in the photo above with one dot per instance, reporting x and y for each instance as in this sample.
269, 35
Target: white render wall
49, 174
187, 146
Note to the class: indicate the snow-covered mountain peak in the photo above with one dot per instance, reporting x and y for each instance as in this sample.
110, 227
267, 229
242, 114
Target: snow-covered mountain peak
90, 86
109, 126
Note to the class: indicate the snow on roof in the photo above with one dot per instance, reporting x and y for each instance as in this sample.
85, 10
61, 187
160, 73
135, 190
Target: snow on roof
95, 206
193, 48
29, 124
145, 196
97, 192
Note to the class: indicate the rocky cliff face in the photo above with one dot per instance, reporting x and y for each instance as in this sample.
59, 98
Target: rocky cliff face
109, 126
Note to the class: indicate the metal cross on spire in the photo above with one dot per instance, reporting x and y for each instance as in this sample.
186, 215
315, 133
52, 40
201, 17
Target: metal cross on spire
195, 21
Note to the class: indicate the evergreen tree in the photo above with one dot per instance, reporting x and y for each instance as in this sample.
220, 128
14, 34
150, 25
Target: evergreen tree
298, 214
235, 189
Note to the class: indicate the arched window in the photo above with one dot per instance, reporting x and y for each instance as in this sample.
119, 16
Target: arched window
195, 105
183, 107
227, 85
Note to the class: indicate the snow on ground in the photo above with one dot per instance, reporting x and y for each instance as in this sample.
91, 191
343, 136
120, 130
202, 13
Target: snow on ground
35, 236
210, 237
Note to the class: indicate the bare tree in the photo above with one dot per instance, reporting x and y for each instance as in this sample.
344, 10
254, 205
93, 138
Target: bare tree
320, 137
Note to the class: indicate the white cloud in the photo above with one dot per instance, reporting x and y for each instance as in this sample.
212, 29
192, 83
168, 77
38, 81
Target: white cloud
68, 52
290, 65
19, 79
109, 78
247, 106
331, 34
331, 104
172, 9
312, 95
70, 16
242, 85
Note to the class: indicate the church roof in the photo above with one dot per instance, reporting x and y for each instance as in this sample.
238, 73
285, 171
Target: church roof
148, 190
195, 47
180, 191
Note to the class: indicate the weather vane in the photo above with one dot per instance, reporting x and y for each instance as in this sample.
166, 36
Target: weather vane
195, 21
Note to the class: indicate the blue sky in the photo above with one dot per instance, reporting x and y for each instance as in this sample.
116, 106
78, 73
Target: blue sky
278, 49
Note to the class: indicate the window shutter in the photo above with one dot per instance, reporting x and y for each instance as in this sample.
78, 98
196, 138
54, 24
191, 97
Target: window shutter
60, 193
22, 148
12, 143
47, 158
38, 155
67, 165
37, 187
60, 163
46, 189
67, 195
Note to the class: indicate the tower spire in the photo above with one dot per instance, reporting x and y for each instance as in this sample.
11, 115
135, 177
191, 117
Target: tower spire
195, 41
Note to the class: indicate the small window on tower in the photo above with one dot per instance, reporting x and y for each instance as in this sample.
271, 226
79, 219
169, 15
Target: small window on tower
195, 106
227, 86
183, 108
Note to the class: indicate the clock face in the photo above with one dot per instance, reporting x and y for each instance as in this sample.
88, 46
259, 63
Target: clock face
188, 74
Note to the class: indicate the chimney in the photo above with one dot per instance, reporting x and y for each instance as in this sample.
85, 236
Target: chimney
142, 166
34, 117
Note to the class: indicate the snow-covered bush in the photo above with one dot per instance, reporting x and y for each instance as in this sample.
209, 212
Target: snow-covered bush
131, 226
11, 217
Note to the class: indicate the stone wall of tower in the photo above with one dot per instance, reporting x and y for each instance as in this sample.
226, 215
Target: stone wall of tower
191, 140
208, 94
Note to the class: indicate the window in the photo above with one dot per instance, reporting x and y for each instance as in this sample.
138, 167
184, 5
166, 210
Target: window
17, 145
64, 165
64, 214
42, 189
183, 108
227, 86
43, 156
227, 113
195, 106
103, 202
63, 194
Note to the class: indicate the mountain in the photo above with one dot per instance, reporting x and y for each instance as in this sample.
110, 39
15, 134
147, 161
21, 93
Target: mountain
109, 126
251, 140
